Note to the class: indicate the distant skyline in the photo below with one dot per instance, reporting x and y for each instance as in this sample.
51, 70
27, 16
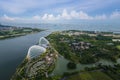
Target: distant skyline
36, 11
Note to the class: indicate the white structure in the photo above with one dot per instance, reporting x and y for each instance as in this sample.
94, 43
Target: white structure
43, 42
35, 51
116, 40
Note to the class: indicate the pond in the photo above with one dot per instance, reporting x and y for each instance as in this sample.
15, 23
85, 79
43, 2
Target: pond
61, 65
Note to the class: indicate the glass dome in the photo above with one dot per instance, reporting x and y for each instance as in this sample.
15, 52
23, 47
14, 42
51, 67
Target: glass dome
35, 51
43, 42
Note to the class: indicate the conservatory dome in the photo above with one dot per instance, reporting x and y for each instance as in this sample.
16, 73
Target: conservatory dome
43, 42
35, 51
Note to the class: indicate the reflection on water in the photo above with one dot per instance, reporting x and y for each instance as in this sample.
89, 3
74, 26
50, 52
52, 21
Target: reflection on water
61, 65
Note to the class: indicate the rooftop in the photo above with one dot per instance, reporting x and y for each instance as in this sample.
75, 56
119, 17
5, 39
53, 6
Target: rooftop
35, 51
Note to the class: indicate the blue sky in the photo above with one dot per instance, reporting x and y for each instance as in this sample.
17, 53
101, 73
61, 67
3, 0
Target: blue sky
58, 10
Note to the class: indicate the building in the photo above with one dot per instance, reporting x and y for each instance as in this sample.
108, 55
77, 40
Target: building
35, 51
44, 42
116, 40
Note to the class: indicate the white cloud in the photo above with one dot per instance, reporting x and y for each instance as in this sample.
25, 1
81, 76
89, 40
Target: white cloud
20, 19
51, 17
45, 16
84, 15
36, 17
65, 15
115, 15
48, 17
5, 17
74, 14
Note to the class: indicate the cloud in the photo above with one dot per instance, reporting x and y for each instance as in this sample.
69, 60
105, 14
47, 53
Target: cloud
26, 6
84, 15
36, 17
5, 17
22, 6
65, 15
115, 15
74, 15
45, 16
51, 17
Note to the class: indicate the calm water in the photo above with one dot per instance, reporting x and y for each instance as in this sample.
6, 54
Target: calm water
62, 63
14, 50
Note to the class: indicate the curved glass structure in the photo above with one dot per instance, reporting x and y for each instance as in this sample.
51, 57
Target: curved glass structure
35, 51
43, 42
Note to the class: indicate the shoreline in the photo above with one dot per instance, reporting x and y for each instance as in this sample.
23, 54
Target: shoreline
18, 35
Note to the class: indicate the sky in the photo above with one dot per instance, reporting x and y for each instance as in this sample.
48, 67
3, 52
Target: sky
36, 11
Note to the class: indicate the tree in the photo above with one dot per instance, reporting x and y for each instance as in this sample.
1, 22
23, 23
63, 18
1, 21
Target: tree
71, 65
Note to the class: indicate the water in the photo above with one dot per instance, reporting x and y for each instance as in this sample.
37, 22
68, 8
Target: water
83, 25
62, 63
14, 50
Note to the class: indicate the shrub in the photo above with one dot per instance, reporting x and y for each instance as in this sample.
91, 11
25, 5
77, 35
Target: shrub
71, 65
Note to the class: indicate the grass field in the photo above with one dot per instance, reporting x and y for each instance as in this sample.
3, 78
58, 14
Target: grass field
96, 75
118, 47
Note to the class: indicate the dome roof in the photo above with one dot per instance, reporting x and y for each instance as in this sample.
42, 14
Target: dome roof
43, 42
35, 51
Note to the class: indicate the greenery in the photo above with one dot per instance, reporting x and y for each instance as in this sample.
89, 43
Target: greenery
113, 72
95, 75
118, 47
9, 33
23, 70
100, 72
102, 47
71, 65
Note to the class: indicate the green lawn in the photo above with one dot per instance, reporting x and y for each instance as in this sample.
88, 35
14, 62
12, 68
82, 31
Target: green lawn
99, 76
118, 47
96, 75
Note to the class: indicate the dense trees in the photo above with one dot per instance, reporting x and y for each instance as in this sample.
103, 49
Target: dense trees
71, 65
13, 32
99, 49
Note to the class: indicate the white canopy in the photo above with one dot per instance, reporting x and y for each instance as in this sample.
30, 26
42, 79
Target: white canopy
35, 51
